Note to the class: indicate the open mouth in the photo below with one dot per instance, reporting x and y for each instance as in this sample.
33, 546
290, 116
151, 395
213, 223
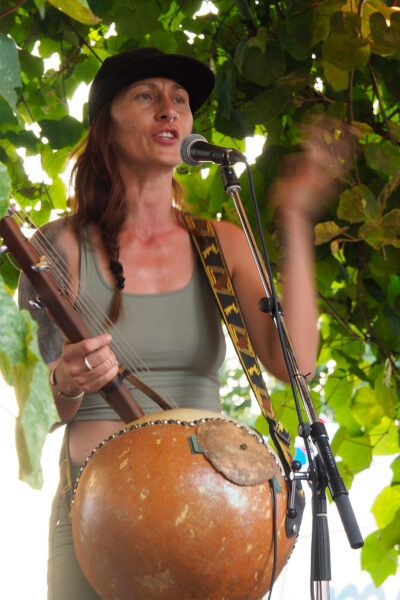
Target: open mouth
167, 134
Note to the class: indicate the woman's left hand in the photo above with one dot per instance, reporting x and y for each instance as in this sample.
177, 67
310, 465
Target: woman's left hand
309, 178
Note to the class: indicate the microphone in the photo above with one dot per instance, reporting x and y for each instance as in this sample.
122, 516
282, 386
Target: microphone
195, 150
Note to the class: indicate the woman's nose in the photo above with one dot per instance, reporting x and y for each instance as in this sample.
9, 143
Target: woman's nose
167, 110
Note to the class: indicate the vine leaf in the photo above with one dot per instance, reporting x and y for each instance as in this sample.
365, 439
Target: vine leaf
357, 204
5, 188
378, 557
22, 366
77, 9
10, 70
379, 232
325, 232
386, 38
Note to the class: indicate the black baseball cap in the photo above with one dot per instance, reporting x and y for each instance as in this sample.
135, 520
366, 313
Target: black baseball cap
121, 70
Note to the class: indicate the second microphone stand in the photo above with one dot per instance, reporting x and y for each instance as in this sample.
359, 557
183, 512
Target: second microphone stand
323, 471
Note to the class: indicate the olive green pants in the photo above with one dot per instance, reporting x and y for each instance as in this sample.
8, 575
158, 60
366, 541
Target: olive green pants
65, 580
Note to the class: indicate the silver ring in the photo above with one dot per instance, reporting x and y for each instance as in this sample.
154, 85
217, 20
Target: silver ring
85, 360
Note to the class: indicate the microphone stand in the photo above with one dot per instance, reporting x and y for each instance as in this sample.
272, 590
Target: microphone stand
323, 470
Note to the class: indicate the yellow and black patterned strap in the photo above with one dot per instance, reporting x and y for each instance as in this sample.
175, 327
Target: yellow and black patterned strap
209, 250
66, 483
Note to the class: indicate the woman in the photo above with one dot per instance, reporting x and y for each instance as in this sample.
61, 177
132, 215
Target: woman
128, 248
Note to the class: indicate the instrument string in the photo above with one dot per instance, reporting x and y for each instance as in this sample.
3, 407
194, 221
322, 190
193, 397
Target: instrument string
95, 318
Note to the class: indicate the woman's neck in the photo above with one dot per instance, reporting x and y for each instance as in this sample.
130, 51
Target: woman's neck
149, 203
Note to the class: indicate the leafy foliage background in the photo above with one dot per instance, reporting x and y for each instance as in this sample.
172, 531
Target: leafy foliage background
277, 64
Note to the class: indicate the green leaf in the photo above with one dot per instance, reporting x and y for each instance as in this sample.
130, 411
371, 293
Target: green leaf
263, 68
356, 452
40, 4
346, 52
383, 158
22, 366
385, 437
5, 189
374, 289
10, 71
236, 126
58, 193
55, 161
336, 77
265, 107
245, 10
382, 231
386, 37
65, 132
224, 88
386, 505
356, 204
325, 232
77, 9
393, 316
296, 33
366, 408
377, 559
395, 466
135, 19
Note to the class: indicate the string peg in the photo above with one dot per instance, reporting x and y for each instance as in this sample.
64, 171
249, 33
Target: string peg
36, 303
41, 265
4, 250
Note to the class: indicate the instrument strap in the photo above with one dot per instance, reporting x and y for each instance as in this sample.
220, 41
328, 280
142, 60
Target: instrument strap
210, 253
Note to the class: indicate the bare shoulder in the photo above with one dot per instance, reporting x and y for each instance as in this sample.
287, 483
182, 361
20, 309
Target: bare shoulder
57, 241
60, 233
233, 242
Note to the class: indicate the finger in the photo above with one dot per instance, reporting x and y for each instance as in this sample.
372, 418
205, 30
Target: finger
96, 358
87, 346
99, 377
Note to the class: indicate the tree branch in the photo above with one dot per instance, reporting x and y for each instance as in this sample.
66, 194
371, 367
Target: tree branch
382, 108
11, 9
367, 322
389, 188
341, 321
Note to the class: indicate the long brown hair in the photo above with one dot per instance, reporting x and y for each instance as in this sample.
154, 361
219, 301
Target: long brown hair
99, 196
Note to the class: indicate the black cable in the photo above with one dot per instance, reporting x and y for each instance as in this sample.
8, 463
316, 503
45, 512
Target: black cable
274, 538
282, 338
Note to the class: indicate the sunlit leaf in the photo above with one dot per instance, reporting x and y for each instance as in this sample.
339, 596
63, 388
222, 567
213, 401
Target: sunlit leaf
386, 505
77, 9
385, 437
5, 188
325, 232
365, 407
21, 366
377, 559
356, 204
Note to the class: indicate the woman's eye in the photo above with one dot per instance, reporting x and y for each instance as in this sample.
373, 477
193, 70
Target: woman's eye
144, 96
180, 100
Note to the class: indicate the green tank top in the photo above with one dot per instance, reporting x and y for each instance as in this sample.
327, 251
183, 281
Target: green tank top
177, 335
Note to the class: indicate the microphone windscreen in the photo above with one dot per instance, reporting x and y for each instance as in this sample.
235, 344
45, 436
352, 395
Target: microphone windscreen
186, 146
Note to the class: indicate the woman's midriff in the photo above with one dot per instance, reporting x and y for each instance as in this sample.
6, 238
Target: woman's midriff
84, 436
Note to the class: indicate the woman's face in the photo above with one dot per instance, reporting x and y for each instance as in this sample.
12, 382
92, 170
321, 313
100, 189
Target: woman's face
149, 120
